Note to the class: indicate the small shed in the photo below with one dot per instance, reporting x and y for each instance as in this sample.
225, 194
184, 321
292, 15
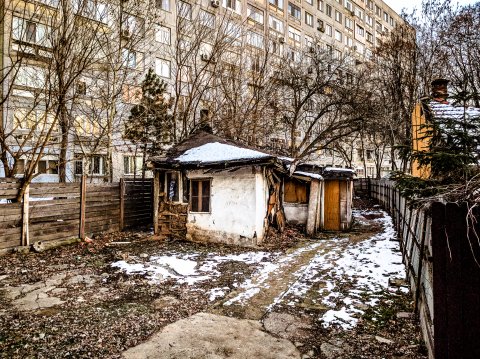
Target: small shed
303, 200
212, 190
338, 198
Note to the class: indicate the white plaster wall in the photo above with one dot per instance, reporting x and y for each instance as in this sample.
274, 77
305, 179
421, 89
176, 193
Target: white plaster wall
238, 203
296, 213
261, 203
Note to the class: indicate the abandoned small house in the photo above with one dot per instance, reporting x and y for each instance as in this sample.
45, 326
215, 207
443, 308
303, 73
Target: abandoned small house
209, 189
437, 109
335, 196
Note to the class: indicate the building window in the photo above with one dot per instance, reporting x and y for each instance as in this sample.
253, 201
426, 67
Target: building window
308, 41
308, 19
162, 68
184, 10
338, 16
255, 39
162, 34
20, 167
328, 30
360, 30
275, 24
132, 165
207, 19
200, 195
320, 5
277, 3
129, 58
132, 25
359, 13
234, 5
369, 20
30, 76
348, 23
29, 31
294, 34
370, 37
78, 167
163, 4
29, 119
348, 41
98, 165
81, 88
255, 14
47, 167
338, 35
294, 10
328, 10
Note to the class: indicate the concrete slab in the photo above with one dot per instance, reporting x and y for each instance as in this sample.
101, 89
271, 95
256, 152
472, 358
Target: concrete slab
211, 336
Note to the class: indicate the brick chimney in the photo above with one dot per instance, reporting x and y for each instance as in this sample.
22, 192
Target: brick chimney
440, 90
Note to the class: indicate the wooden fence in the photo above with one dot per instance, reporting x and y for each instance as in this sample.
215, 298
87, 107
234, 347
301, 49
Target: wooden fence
440, 252
56, 211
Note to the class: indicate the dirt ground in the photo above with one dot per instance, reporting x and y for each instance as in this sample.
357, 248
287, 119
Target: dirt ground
102, 298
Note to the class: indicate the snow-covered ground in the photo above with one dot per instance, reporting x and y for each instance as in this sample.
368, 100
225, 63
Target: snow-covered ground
188, 268
347, 275
352, 275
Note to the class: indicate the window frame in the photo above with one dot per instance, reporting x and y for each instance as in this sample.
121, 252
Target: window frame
190, 199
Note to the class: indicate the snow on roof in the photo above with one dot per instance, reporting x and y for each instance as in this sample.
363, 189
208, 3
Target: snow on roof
219, 152
308, 174
447, 111
338, 169
287, 159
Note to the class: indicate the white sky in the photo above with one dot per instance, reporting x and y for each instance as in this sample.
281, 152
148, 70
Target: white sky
410, 4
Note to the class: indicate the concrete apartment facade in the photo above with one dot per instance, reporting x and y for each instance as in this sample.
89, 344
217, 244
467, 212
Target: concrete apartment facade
96, 145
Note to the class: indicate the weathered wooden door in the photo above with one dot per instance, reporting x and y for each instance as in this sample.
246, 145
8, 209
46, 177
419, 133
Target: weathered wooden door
332, 205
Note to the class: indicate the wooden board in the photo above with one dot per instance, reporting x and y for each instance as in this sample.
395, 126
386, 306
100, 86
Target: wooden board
295, 191
332, 205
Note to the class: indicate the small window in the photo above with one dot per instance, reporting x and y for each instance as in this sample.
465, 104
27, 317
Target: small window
296, 191
78, 167
129, 58
20, 168
172, 186
132, 165
200, 195
81, 88
98, 165
163, 4
42, 166
162, 34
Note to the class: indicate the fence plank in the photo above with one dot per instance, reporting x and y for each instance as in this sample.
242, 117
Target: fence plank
83, 196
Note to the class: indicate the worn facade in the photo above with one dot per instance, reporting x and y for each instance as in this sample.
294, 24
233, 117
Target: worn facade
212, 190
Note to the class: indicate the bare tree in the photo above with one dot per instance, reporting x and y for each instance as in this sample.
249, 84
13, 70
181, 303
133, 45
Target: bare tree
200, 42
245, 92
461, 46
320, 99
394, 83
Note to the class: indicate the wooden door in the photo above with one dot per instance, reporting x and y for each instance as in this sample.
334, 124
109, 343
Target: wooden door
332, 205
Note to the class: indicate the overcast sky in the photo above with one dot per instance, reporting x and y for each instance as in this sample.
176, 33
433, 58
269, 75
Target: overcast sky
398, 5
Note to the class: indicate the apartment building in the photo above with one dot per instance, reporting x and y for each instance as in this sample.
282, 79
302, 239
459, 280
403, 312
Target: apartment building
130, 37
